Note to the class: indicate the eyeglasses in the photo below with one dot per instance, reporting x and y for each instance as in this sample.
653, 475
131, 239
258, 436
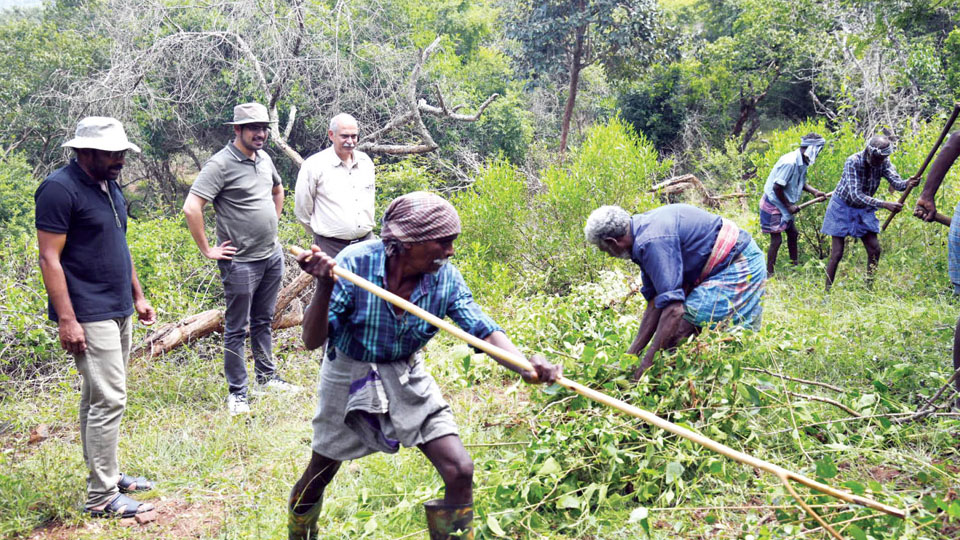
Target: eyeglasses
115, 154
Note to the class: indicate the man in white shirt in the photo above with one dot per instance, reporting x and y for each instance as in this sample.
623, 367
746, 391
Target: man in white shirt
334, 196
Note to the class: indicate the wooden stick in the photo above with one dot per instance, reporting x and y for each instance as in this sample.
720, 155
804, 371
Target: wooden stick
933, 151
815, 200
937, 216
622, 406
794, 379
833, 402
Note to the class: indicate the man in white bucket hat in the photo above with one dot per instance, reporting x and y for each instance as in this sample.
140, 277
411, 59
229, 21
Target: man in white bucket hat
247, 196
93, 291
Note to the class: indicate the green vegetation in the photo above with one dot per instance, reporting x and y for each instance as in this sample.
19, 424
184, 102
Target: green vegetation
718, 89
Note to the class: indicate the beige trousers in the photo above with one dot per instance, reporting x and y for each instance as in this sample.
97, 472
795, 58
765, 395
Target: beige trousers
103, 398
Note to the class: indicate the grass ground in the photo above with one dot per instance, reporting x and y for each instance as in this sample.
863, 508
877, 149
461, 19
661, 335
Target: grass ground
886, 346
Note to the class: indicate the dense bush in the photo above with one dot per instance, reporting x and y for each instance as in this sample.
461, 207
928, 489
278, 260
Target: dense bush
536, 232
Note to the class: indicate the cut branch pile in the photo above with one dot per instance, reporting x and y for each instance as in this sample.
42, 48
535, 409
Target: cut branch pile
679, 184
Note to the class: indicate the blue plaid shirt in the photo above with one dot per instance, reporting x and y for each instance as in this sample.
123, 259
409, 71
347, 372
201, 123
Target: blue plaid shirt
856, 187
366, 328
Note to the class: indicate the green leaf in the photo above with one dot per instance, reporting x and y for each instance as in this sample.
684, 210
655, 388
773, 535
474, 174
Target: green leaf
550, 466
674, 470
494, 526
751, 394
856, 487
954, 510
568, 501
856, 532
638, 514
826, 468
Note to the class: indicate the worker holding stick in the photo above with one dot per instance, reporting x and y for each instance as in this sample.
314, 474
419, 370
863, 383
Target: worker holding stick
927, 211
778, 206
853, 209
375, 395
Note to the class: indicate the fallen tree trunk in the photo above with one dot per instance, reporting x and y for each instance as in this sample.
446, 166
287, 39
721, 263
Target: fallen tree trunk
172, 335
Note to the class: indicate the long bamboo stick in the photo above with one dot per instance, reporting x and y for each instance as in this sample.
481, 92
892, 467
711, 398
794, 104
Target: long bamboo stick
933, 151
815, 200
520, 362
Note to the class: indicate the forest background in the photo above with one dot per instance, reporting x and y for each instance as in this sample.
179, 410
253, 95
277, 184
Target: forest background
528, 115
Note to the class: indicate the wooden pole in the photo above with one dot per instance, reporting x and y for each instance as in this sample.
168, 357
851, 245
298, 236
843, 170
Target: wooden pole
520, 362
815, 200
933, 151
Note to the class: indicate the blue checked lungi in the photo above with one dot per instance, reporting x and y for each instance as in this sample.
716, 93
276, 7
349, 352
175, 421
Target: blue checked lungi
734, 294
771, 218
953, 250
842, 219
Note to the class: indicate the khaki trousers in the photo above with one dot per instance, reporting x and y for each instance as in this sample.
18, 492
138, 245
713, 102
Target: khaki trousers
103, 398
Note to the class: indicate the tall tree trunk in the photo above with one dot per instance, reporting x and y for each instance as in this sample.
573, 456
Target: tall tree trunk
575, 67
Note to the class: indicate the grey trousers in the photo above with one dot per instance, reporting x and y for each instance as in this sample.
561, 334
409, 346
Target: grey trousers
103, 397
250, 290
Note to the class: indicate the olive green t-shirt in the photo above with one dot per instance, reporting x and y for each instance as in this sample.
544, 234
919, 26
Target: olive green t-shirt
241, 191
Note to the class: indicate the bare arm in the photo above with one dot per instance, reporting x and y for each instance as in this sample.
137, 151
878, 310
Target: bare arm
193, 211
648, 325
926, 207
145, 311
813, 191
778, 190
315, 319
278, 198
668, 327
72, 337
544, 371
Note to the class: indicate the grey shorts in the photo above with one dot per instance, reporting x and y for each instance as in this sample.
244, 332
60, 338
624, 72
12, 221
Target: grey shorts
365, 408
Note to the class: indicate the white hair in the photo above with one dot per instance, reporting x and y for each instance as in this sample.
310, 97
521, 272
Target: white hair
340, 119
606, 222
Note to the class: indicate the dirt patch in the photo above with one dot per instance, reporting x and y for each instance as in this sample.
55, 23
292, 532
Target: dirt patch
176, 519
883, 474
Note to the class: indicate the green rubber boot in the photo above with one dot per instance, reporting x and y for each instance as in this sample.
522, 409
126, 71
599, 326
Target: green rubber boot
303, 526
449, 521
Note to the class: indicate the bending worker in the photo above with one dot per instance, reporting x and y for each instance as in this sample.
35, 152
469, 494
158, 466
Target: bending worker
698, 269
778, 206
375, 394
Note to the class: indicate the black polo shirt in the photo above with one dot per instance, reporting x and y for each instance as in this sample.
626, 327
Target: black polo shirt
95, 258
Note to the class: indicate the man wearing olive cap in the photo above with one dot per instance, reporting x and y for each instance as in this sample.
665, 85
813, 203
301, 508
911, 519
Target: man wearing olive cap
853, 209
93, 291
375, 394
244, 187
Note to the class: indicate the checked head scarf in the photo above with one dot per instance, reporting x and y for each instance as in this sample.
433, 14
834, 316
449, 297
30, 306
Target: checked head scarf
418, 217
874, 147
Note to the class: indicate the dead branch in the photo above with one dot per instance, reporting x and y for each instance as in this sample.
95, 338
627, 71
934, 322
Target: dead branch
679, 184
794, 379
927, 407
172, 335
833, 402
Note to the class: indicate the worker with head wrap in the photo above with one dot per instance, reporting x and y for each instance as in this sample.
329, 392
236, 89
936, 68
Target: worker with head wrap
853, 209
375, 394
778, 206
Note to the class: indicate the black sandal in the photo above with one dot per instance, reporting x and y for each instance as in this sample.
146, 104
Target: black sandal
112, 509
126, 481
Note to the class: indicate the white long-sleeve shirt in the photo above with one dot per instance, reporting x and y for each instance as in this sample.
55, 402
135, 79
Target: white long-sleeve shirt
334, 200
